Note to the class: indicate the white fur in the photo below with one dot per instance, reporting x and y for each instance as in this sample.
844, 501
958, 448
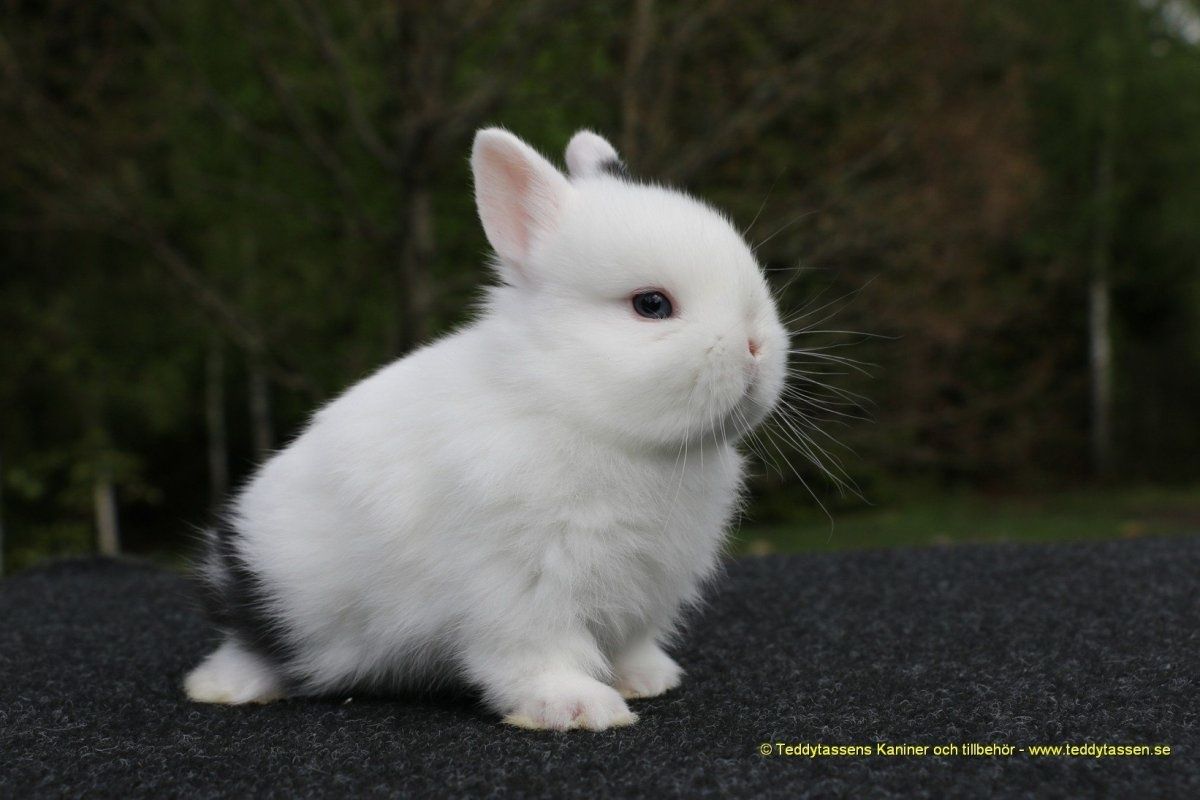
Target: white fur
587, 152
233, 675
525, 505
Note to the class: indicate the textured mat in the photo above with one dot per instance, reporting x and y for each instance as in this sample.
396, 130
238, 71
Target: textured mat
1009, 645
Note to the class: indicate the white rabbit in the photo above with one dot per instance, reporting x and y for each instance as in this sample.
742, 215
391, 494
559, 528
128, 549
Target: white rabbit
526, 505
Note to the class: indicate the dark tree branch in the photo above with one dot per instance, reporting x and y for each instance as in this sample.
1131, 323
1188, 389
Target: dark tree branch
310, 16
213, 99
312, 139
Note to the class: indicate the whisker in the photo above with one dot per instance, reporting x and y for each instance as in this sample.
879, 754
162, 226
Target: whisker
864, 334
845, 361
808, 422
841, 479
850, 294
804, 310
798, 270
845, 394
803, 482
803, 419
815, 403
756, 446
834, 346
782, 228
764, 203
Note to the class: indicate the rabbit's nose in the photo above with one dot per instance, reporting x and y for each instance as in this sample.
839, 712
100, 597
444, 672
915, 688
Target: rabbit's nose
753, 346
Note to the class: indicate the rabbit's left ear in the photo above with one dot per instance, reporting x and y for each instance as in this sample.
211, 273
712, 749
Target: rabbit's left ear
520, 196
590, 154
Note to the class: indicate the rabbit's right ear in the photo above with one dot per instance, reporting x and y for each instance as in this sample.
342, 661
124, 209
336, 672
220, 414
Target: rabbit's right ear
520, 196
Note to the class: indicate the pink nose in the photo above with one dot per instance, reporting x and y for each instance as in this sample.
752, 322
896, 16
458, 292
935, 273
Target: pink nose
753, 345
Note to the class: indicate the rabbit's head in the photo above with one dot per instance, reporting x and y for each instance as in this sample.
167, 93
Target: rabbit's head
638, 310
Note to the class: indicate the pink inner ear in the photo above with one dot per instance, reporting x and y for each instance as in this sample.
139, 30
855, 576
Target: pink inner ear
519, 194
518, 179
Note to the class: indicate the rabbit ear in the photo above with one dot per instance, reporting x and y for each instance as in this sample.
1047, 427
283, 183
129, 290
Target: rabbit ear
589, 154
520, 195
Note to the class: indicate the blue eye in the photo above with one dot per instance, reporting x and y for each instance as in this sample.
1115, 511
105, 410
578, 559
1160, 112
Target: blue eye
652, 305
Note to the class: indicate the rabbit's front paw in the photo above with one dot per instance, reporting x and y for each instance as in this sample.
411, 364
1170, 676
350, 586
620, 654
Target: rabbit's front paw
646, 671
565, 701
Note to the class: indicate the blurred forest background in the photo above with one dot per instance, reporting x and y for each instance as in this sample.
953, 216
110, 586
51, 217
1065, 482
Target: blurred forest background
216, 215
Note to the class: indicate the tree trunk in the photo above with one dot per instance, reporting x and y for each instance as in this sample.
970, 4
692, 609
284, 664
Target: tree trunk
104, 499
214, 416
641, 34
1, 514
420, 75
260, 406
415, 258
1099, 298
1100, 351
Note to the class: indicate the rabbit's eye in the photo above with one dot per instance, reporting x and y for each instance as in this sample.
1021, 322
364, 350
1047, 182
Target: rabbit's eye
652, 305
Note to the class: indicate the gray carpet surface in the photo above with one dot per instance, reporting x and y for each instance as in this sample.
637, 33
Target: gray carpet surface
1018, 645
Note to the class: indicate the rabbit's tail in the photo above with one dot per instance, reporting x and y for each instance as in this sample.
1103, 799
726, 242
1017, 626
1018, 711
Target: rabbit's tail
236, 598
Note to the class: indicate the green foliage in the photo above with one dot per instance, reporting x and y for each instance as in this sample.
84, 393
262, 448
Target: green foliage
285, 183
943, 518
